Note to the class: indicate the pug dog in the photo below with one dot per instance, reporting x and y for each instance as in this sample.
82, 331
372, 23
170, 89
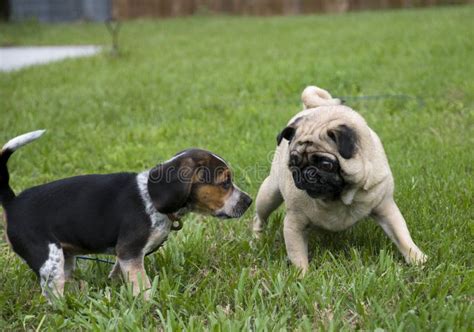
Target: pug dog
331, 171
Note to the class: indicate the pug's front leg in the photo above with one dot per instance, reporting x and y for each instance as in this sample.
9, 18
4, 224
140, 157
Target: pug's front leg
268, 200
389, 217
296, 241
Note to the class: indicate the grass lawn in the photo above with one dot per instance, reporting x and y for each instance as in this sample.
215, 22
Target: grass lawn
229, 85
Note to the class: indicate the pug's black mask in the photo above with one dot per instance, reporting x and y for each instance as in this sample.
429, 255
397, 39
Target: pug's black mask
317, 174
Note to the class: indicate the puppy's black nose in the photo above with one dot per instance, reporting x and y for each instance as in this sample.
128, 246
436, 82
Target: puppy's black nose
247, 200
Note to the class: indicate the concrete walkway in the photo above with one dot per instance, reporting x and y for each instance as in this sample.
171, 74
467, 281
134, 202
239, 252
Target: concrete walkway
14, 58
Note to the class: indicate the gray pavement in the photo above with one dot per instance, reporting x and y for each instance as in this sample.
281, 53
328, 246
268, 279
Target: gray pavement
14, 58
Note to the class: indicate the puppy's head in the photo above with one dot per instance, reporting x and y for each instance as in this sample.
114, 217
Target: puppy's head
199, 181
323, 150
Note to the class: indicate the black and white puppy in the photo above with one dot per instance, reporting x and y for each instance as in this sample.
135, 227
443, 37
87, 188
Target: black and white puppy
125, 214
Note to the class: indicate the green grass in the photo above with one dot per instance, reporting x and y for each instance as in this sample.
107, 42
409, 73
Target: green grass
229, 85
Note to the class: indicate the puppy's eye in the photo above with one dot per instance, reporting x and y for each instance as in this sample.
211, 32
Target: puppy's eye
326, 166
226, 184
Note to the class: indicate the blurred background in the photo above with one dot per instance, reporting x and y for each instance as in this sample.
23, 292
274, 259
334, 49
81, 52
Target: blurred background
226, 75
99, 10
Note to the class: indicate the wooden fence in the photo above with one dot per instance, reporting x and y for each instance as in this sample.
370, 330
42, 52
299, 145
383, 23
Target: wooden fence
125, 9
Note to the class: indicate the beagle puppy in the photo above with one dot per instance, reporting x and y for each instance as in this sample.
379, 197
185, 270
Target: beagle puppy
124, 214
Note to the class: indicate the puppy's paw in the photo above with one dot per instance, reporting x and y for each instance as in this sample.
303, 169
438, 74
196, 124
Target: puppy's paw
147, 295
115, 273
302, 272
258, 235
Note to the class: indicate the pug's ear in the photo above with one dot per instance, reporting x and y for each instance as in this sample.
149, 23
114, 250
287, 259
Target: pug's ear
288, 133
169, 184
346, 140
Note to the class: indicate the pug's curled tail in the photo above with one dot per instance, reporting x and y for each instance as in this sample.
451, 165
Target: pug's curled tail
313, 97
6, 192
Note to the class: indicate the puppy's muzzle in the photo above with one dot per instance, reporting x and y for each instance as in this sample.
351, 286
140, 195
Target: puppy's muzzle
235, 206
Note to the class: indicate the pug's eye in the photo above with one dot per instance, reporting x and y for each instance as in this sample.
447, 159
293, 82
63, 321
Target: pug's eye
295, 159
226, 184
326, 166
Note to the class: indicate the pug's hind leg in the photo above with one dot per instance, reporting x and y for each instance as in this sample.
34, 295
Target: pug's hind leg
389, 217
268, 200
296, 241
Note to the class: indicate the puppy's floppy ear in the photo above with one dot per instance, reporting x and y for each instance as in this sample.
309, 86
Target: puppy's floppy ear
346, 140
169, 184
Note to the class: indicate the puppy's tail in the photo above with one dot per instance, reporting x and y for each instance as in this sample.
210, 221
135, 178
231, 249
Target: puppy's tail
6, 192
313, 97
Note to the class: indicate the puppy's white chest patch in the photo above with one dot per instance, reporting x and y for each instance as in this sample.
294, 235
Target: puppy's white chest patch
157, 236
160, 223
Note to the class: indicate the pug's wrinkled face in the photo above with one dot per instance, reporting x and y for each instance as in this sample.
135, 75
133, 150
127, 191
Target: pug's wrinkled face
315, 168
317, 173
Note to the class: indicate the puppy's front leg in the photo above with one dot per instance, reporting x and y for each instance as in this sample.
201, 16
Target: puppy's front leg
114, 273
389, 217
296, 241
134, 271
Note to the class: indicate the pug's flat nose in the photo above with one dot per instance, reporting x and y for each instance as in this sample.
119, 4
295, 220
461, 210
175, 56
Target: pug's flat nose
310, 174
